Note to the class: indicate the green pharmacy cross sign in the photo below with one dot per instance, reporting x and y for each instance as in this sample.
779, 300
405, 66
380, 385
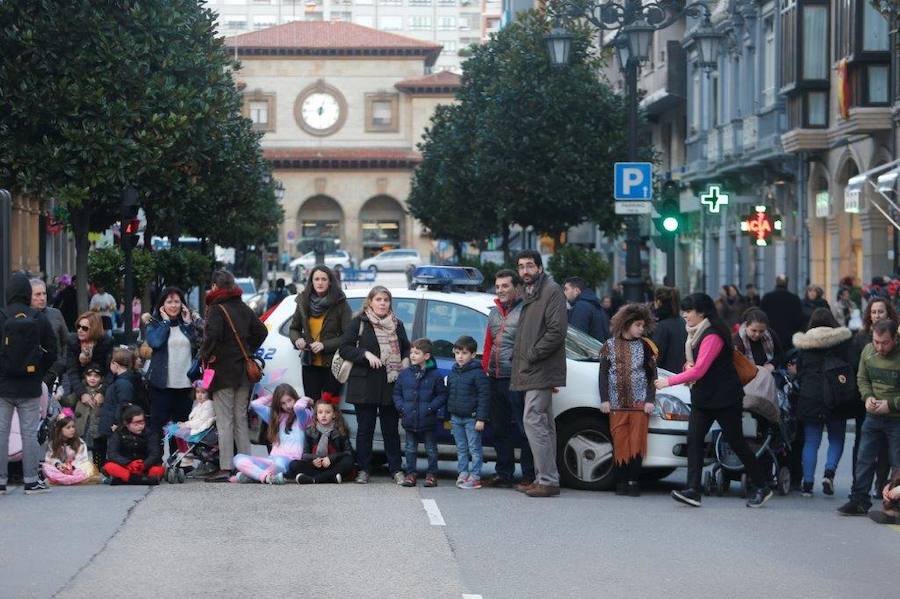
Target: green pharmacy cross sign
714, 199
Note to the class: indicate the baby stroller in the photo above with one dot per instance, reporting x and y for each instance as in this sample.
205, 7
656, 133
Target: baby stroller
769, 434
201, 447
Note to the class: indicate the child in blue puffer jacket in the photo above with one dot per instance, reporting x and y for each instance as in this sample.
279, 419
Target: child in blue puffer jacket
420, 396
469, 405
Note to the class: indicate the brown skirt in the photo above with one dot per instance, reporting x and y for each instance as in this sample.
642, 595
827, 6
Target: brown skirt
629, 434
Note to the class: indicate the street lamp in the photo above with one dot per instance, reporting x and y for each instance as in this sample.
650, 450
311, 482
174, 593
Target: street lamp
559, 45
635, 21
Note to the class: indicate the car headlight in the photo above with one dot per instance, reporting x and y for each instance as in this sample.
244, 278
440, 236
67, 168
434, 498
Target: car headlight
669, 407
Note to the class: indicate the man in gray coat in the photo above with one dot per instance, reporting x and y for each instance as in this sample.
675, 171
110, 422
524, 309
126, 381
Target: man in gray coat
539, 365
57, 323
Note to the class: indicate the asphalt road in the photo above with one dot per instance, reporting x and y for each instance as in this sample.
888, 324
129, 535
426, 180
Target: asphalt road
205, 540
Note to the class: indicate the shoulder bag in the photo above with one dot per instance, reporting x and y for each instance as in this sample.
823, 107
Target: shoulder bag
254, 370
340, 367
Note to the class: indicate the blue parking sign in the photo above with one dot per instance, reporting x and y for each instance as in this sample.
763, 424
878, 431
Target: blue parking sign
634, 181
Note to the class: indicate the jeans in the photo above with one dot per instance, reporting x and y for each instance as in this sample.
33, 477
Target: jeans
365, 432
812, 435
729, 420
29, 409
540, 429
413, 438
506, 405
468, 443
876, 429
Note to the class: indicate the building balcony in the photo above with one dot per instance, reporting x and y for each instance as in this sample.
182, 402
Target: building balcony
862, 120
666, 84
805, 140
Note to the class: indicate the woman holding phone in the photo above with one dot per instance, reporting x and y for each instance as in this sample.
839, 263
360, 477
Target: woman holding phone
173, 337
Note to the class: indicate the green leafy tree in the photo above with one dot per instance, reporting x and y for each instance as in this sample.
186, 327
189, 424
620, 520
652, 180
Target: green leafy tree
182, 268
106, 268
574, 261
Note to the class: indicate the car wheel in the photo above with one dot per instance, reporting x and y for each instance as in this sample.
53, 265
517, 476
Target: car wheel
585, 453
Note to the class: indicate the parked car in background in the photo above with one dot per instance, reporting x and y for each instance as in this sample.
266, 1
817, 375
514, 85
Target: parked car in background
250, 295
392, 261
336, 260
445, 312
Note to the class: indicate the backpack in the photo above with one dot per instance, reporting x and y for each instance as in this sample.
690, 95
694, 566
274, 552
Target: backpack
20, 344
840, 392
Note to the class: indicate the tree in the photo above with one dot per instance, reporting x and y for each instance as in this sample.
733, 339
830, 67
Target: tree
526, 143
106, 268
574, 261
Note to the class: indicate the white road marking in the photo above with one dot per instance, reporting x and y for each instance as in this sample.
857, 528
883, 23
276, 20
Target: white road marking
471, 596
434, 514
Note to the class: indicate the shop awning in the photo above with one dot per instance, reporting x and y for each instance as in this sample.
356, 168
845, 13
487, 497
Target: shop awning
885, 184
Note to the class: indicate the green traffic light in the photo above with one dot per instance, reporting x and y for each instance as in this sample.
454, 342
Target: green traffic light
670, 224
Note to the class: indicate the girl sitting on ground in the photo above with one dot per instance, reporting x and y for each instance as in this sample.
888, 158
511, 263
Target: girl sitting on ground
134, 454
292, 415
328, 457
67, 461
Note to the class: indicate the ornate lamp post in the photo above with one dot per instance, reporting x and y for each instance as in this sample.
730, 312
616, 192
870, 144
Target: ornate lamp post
635, 21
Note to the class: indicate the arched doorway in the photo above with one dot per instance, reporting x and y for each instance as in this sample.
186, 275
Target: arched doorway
382, 225
846, 250
319, 217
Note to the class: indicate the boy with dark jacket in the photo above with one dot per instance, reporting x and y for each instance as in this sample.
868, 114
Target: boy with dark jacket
469, 405
420, 397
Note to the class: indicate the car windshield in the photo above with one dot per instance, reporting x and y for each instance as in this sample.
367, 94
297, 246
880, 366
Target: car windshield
581, 346
246, 286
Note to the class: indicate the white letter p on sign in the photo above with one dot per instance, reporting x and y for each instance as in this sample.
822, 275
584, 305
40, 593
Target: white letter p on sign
631, 177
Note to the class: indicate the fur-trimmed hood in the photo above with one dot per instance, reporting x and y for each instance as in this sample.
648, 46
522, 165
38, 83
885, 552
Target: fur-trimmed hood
822, 338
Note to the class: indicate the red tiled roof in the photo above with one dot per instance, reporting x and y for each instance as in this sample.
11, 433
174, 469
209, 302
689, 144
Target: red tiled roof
444, 82
330, 38
341, 158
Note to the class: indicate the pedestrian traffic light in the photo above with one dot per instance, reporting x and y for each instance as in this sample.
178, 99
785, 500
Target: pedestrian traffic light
131, 233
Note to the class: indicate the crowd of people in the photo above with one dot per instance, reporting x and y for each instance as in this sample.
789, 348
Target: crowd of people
120, 404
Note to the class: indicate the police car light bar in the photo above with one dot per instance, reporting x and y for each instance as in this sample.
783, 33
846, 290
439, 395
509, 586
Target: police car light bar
447, 276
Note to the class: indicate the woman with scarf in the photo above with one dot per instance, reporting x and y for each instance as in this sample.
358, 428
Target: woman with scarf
716, 396
320, 320
755, 340
377, 345
221, 351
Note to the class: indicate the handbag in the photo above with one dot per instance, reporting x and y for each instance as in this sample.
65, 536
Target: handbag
746, 370
340, 367
254, 369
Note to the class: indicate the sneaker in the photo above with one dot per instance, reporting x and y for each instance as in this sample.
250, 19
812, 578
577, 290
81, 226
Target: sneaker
362, 478
853, 508
828, 483
537, 490
240, 477
688, 497
337, 479
278, 479
408, 481
807, 489
498, 482
430, 480
634, 489
760, 496
305, 479
461, 479
36, 487
399, 478
471, 483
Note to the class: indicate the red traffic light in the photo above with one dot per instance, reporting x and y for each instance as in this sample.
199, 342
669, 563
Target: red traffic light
132, 226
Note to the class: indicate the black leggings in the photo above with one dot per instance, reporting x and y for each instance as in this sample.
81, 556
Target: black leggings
318, 380
729, 420
630, 471
342, 466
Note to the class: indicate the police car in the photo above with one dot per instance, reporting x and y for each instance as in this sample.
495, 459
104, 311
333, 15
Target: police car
442, 307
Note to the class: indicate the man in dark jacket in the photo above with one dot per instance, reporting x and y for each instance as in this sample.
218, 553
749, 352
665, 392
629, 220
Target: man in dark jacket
539, 365
222, 350
27, 351
57, 323
785, 311
586, 313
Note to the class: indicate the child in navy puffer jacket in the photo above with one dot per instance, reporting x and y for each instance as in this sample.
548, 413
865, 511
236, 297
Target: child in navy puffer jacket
469, 404
420, 396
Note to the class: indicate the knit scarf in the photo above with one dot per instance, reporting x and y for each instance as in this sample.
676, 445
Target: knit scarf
768, 343
386, 333
220, 295
318, 304
693, 338
324, 435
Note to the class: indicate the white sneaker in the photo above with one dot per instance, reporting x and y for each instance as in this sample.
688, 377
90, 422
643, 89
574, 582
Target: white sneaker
36, 487
462, 479
399, 478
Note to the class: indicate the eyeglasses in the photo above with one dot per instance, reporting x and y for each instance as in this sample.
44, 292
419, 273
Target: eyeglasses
136, 421
81, 327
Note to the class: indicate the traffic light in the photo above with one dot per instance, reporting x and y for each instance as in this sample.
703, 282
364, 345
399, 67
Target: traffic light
131, 233
668, 224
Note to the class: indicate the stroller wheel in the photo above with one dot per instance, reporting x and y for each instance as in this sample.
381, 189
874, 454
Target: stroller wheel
722, 483
745, 485
180, 476
784, 480
707, 483
170, 475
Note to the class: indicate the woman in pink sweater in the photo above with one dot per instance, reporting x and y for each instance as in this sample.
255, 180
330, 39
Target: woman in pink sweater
716, 396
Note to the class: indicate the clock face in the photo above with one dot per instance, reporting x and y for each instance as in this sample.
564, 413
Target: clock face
320, 111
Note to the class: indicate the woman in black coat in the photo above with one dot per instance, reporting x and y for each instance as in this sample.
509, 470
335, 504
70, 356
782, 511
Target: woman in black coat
716, 396
757, 341
670, 333
823, 339
377, 345
320, 320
